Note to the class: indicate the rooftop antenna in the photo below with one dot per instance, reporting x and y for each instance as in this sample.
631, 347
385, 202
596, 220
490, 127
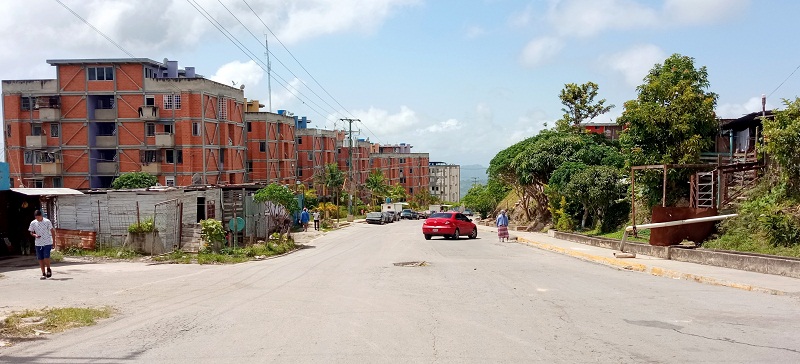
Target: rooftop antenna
269, 71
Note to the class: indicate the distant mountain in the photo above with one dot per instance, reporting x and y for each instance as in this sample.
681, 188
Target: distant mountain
472, 173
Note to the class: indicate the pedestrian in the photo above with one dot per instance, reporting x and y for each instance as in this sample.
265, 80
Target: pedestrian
316, 220
304, 219
42, 230
502, 226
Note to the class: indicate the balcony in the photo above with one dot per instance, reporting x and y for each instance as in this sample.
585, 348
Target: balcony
51, 169
105, 114
165, 140
49, 114
105, 141
36, 141
148, 113
152, 168
107, 168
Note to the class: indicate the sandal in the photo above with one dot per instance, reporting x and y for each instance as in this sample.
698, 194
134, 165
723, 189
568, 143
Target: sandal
49, 273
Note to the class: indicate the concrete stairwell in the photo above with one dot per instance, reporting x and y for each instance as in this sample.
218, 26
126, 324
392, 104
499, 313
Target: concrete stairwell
190, 238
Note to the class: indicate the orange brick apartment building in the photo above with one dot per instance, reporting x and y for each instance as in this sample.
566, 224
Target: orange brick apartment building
102, 117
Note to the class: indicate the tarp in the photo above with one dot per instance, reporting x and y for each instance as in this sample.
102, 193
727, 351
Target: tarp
47, 191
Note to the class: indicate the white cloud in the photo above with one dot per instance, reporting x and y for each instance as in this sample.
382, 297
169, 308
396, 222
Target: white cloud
731, 111
584, 18
282, 97
703, 12
540, 50
475, 32
521, 19
239, 73
444, 126
634, 63
386, 125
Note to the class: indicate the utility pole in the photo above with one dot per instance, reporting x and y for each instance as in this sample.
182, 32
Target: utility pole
350, 168
474, 181
269, 72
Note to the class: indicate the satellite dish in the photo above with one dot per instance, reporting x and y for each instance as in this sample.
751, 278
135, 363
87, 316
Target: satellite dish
197, 179
241, 87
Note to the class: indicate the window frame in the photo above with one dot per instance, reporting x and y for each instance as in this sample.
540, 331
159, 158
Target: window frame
150, 129
169, 181
55, 130
195, 128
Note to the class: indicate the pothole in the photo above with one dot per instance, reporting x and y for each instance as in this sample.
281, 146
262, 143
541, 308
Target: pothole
411, 264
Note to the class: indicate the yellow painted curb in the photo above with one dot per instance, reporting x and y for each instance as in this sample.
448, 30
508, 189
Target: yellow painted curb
638, 267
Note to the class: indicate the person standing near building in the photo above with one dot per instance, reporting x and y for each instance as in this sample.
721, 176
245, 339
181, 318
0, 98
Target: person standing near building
42, 230
316, 220
502, 226
304, 219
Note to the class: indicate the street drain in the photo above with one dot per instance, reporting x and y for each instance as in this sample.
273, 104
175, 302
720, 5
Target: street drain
411, 264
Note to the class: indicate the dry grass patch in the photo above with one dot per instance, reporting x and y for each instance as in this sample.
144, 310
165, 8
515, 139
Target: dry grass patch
28, 323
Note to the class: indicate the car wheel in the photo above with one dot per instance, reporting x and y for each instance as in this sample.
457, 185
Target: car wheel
473, 234
427, 236
381, 222
455, 235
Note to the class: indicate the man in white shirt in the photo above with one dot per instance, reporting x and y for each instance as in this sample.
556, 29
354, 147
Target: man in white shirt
42, 229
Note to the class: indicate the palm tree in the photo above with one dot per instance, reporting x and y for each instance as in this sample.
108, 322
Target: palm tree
332, 179
376, 184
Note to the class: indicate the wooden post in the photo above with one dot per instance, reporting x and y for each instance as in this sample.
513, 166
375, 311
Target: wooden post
138, 220
633, 199
664, 189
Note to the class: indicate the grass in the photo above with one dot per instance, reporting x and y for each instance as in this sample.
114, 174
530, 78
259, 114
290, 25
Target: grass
50, 320
644, 235
752, 243
229, 255
105, 252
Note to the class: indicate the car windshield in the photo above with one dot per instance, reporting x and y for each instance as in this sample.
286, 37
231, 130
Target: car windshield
443, 215
374, 214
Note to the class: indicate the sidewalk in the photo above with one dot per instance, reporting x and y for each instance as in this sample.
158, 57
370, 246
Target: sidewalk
749, 281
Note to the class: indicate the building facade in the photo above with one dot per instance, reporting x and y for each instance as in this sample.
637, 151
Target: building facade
445, 181
271, 148
316, 148
102, 117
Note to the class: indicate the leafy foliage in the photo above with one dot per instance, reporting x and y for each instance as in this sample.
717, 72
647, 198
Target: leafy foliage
212, 233
782, 136
376, 184
398, 193
279, 195
579, 105
134, 180
485, 198
146, 226
670, 122
596, 188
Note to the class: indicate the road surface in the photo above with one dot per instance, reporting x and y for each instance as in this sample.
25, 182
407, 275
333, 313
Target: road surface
343, 300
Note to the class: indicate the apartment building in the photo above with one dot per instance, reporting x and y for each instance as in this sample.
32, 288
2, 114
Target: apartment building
271, 147
316, 148
400, 166
102, 117
445, 181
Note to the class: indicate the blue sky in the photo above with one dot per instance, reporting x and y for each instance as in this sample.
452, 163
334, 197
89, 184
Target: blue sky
460, 80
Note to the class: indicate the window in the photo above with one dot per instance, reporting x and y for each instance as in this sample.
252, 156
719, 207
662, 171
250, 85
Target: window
168, 128
169, 181
150, 129
195, 129
249, 167
8, 133
300, 173
222, 156
411, 171
101, 73
402, 160
249, 126
222, 108
173, 156
172, 102
57, 182
28, 103
411, 190
310, 156
54, 130
262, 146
28, 157
299, 140
36, 129
38, 183
149, 156
149, 100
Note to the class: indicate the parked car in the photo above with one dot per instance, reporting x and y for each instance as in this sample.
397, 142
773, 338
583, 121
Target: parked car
415, 215
407, 214
451, 225
424, 214
468, 212
395, 215
375, 218
388, 216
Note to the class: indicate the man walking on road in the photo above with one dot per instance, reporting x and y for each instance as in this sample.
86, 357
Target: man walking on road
42, 229
304, 219
316, 220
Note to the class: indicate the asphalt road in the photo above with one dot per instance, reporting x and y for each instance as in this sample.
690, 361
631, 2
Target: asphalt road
343, 300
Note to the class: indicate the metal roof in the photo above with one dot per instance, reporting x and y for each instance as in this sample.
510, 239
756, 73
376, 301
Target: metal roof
54, 62
47, 191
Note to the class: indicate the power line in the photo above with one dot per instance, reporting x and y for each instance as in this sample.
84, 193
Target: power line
784, 81
95, 29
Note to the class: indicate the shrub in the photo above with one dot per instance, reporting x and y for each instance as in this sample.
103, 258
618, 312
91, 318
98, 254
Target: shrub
212, 233
146, 226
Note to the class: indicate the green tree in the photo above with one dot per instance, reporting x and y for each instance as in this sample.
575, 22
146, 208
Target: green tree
782, 136
579, 105
596, 188
134, 180
332, 179
279, 195
670, 122
485, 198
376, 184
398, 192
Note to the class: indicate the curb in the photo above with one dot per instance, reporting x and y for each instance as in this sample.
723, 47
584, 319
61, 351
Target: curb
655, 271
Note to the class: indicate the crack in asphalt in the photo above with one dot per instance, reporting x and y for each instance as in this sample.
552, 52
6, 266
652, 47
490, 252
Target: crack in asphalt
732, 341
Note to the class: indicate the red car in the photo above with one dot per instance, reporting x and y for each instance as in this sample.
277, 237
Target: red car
451, 225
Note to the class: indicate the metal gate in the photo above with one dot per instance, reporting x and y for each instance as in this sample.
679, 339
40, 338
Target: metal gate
167, 220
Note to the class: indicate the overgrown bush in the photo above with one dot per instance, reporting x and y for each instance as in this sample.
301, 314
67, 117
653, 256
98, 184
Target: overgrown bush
146, 226
212, 233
